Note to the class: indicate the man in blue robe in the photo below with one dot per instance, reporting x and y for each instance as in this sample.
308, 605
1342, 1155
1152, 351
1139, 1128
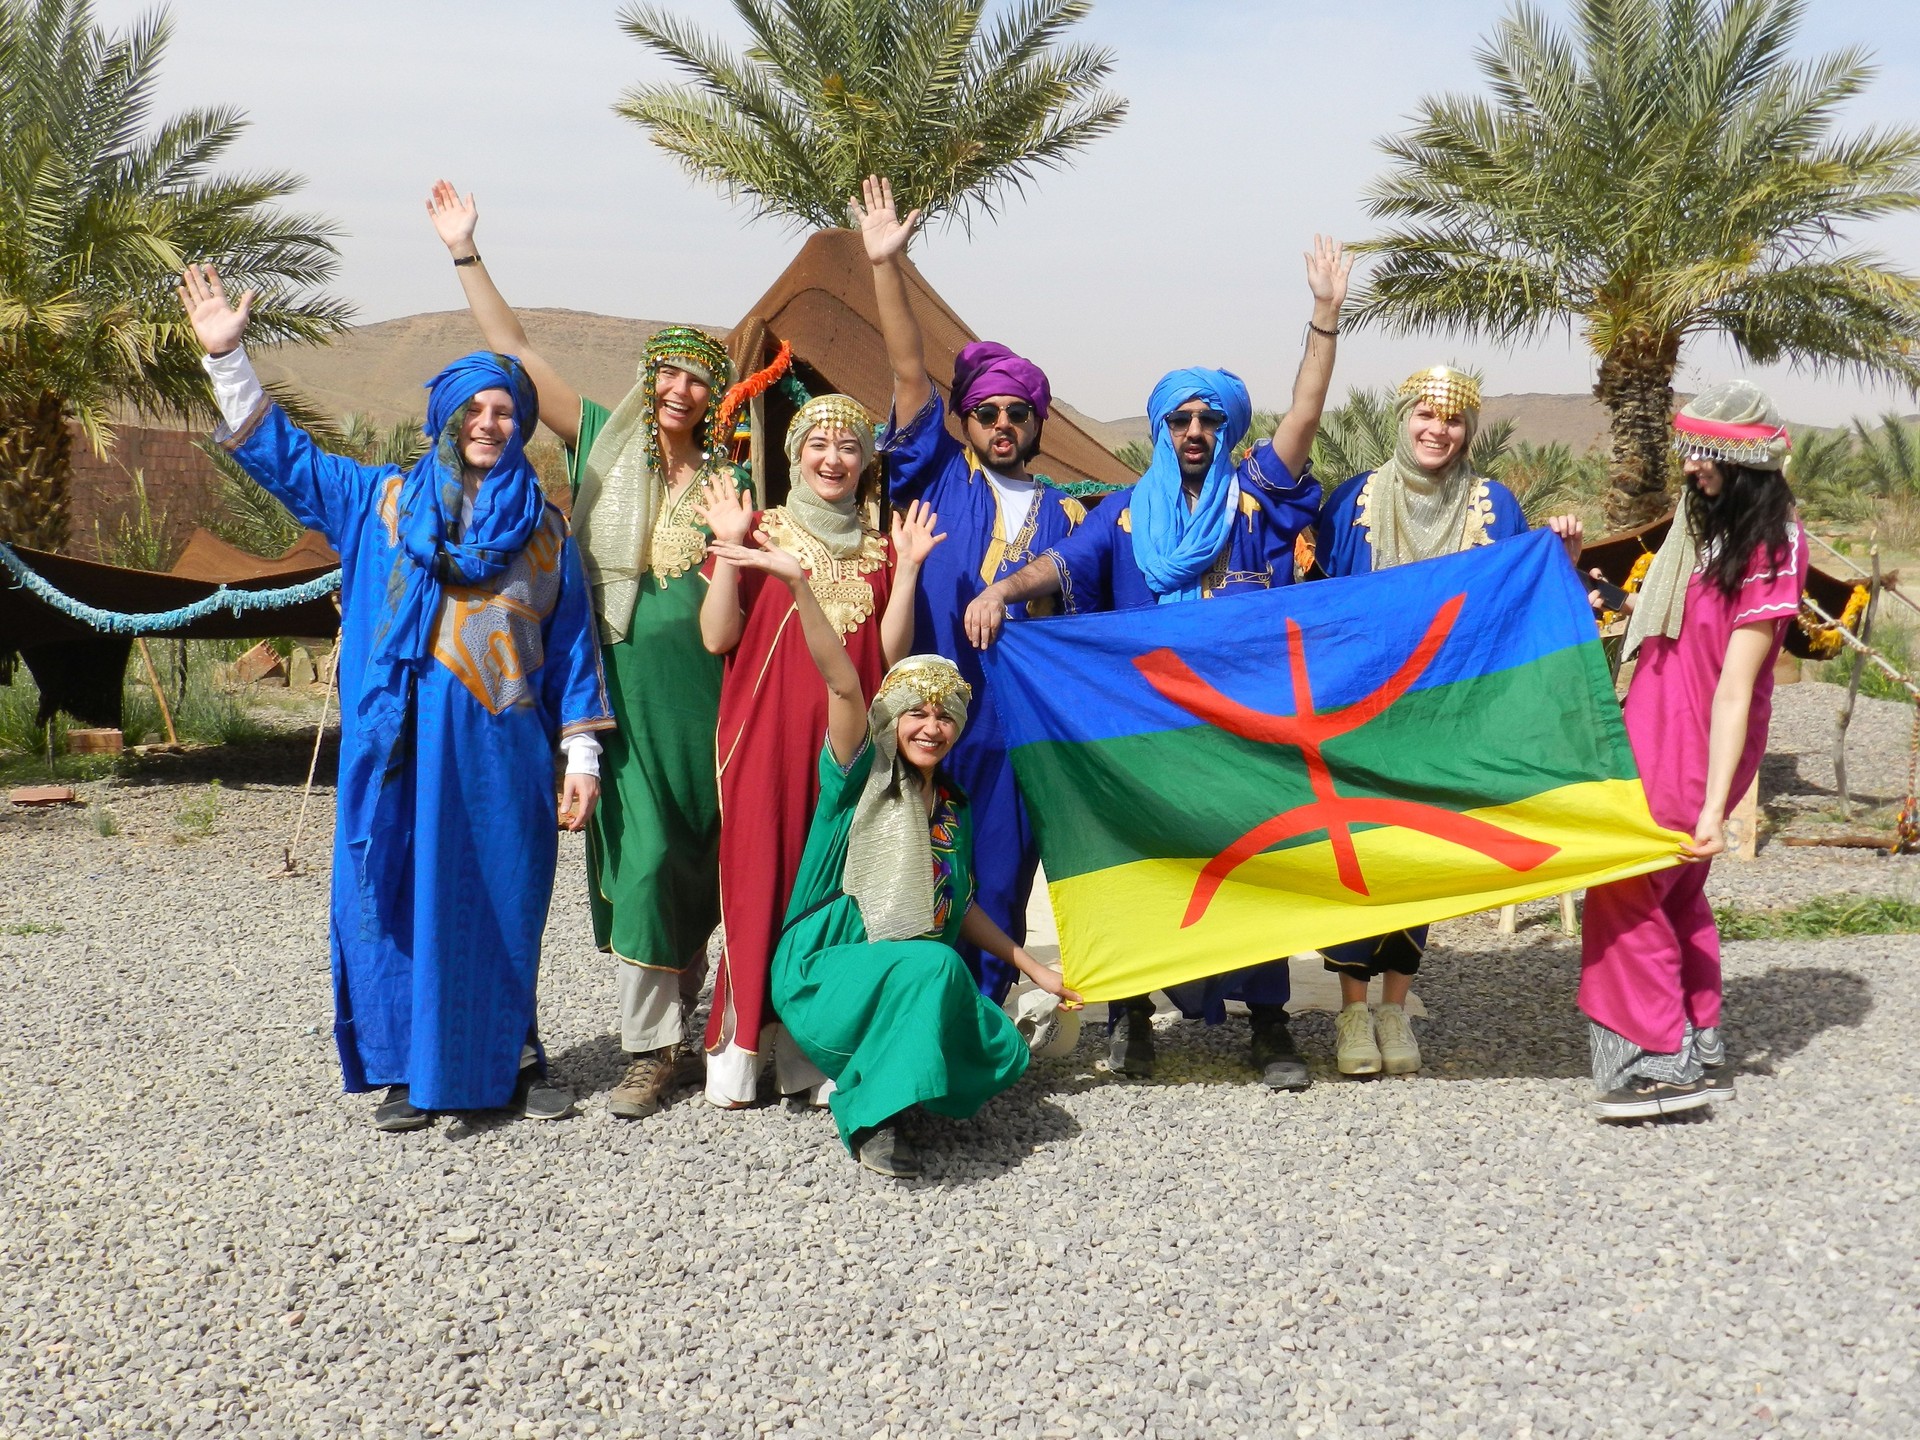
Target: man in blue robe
1194, 527
467, 652
997, 516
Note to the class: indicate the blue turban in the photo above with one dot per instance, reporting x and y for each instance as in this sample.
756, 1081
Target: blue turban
1173, 545
506, 512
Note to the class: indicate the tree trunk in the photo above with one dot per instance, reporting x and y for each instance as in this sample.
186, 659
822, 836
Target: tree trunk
36, 455
1636, 386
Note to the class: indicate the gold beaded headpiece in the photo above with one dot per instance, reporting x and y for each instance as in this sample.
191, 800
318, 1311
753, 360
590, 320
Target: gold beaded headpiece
700, 355
924, 680
835, 414
1447, 391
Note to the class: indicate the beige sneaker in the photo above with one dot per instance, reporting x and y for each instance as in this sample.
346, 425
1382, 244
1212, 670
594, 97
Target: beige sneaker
1355, 1052
1399, 1051
650, 1078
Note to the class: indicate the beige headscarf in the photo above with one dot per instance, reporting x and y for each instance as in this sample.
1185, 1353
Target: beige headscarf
622, 490
1733, 421
889, 870
1414, 514
834, 523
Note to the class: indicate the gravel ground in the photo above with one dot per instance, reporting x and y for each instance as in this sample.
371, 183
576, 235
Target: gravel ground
205, 1237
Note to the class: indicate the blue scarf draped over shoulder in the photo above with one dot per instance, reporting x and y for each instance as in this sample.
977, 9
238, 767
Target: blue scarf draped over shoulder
1174, 545
506, 512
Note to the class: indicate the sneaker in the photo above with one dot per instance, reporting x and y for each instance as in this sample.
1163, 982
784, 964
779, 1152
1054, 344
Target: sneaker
650, 1078
1130, 1047
395, 1112
1399, 1051
1273, 1053
538, 1099
1645, 1098
1355, 1052
885, 1151
1717, 1080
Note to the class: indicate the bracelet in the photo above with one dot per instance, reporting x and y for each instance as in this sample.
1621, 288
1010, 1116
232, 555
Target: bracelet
1330, 334
473, 259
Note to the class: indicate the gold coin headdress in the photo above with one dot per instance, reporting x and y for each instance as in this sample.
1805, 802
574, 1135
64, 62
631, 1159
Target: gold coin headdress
1446, 391
835, 414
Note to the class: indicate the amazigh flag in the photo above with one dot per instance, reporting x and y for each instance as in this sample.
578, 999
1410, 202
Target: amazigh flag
1222, 782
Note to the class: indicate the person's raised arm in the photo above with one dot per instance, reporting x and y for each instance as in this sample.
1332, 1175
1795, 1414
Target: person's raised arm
988, 610
1328, 267
886, 236
731, 520
913, 541
454, 219
846, 706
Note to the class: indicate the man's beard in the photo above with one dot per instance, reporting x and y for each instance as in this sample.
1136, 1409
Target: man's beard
1022, 457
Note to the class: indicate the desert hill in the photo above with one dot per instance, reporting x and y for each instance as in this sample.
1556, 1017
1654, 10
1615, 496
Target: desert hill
377, 370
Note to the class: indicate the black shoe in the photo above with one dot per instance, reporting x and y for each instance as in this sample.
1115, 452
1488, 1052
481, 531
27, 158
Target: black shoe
1717, 1080
885, 1151
1273, 1053
537, 1099
395, 1112
1130, 1046
1646, 1098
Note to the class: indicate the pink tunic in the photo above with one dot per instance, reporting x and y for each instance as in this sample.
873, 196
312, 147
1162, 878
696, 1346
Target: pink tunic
1650, 953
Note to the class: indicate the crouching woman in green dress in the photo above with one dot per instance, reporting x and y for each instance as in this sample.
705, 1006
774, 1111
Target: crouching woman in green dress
865, 976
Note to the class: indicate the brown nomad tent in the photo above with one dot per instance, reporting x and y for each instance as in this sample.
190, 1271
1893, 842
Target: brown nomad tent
823, 306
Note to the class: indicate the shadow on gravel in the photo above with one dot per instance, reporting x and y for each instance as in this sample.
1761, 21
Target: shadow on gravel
1772, 1017
589, 1067
960, 1153
270, 760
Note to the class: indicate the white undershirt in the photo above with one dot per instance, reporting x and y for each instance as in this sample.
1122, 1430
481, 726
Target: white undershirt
238, 393
1015, 497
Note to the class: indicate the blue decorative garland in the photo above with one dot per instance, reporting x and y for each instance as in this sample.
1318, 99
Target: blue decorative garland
113, 622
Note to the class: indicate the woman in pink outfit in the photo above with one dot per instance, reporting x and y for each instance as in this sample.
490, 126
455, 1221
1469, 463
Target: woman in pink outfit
1706, 628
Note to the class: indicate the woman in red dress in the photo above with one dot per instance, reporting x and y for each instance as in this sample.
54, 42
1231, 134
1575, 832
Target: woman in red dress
773, 708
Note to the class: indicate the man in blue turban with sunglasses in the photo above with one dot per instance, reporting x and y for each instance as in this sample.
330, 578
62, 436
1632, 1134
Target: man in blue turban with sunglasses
1195, 526
467, 653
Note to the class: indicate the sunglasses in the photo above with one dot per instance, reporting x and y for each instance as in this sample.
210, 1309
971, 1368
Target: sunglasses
1181, 421
1018, 413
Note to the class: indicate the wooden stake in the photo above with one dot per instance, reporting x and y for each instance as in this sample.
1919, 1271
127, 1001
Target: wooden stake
166, 715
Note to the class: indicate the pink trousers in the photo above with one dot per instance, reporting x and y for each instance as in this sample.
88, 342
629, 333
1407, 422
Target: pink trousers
1650, 957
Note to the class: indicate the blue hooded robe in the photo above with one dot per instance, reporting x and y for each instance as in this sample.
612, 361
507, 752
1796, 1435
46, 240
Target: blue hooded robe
467, 652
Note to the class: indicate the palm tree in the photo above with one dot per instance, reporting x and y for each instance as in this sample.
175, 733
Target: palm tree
1664, 172
957, 111
1889, 457
1829, 482
99, 210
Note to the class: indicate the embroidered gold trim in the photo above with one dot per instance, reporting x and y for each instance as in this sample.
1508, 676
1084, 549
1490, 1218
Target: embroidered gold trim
839, 585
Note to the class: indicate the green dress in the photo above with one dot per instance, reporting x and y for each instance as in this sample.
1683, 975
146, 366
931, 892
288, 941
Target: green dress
652, 849
895, 1023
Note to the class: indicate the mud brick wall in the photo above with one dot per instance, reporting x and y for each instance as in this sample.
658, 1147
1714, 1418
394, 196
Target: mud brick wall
181, 482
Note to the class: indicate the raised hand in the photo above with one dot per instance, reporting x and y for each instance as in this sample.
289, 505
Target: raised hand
913, 533
453, 218
780, 564
218, 325
885, 233
1328, 266
984, 616
727, 515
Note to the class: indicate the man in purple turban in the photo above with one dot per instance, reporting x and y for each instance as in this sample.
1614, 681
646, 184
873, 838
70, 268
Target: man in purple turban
997, 517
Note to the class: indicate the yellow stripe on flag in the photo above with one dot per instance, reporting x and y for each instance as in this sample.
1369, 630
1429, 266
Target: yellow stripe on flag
1121, 931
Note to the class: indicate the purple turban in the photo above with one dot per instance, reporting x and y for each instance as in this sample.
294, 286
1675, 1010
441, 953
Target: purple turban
988, 368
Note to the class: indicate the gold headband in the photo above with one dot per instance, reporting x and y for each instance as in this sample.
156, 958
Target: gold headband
832, 413
931, 679
1447, 391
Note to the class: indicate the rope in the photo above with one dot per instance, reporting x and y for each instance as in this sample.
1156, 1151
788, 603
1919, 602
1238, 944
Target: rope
1853, 642
293, 863
114, 622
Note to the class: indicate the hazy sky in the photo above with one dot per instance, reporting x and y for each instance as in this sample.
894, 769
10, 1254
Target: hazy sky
1174, 241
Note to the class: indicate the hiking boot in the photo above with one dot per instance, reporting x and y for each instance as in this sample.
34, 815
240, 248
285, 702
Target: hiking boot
1355, 1052
536, 1098
1130, 1047
1645, 1098
395, 1112
650, 1078
1399, 1051
1272, 1051
885, 1151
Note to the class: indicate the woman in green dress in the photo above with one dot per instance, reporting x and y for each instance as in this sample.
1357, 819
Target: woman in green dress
865, 976
638, 473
